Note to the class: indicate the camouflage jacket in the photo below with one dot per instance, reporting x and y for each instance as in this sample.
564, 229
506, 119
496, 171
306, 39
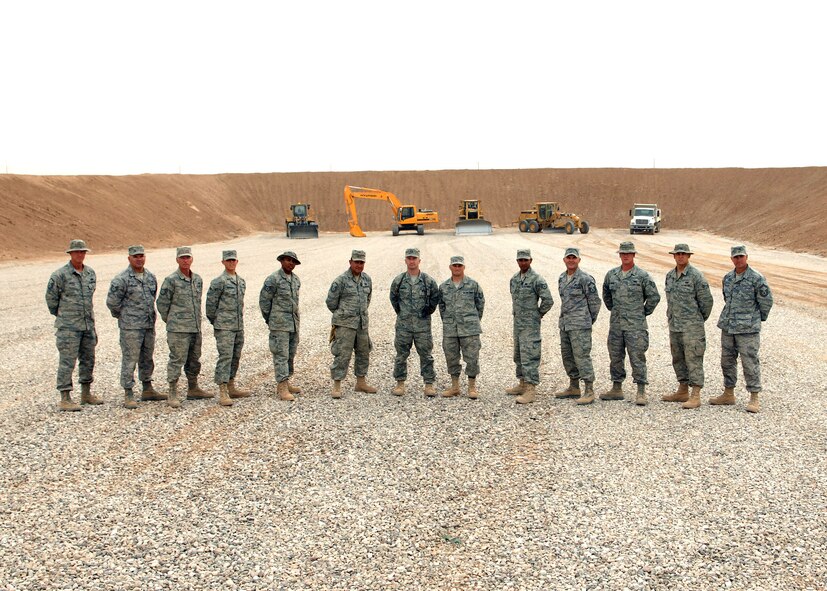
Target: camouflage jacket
631, 299
414, 301
688, 300
225, 302
747, 302
132, 300
348, 299
279, 301
579, 301
461, 308
531, 298
179, 302
69, 297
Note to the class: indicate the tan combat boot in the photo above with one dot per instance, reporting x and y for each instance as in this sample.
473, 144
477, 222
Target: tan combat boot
616, 393
363, 386
224, 395
529, 395
86, 396
727, 398
337, 389
573, 391
516, 389
694, 400
172, 398
453, 390
472, 389
679, 395
66, 402
753, 405
429, 390
129, 399
234, 392
293, 389
399, 390
194, 392
640, 397
284, 392
150, 393
588, 395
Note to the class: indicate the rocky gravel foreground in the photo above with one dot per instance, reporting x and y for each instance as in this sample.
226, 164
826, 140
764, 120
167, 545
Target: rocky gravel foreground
379, 492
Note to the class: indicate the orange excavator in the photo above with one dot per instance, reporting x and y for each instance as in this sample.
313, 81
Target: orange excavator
405, 217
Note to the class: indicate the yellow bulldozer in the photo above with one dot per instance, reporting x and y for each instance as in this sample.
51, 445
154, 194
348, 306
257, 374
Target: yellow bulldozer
547, 214
299, 222
471, 220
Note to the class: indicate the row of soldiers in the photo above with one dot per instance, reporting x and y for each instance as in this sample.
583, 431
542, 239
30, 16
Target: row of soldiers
628, 292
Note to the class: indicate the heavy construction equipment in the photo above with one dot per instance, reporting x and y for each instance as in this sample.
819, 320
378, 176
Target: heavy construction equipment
645, 218
299, 222
405, 217
471, 221
547, 214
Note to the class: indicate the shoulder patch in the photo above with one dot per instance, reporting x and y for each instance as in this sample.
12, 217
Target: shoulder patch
592, 288
764, 291
51, 283
335, 287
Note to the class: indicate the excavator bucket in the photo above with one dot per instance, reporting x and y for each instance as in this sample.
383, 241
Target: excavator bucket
473, 228
303, 231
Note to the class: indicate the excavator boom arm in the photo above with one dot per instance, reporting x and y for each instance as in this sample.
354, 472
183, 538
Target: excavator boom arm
352, 193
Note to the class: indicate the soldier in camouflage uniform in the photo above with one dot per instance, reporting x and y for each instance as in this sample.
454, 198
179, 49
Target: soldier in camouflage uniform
69, 298
179, 303
348, 299
631, 295
530, 301
414, 296
461, 304
747, 303
579, 307
279, 305
225, 311
688, 305
131, 299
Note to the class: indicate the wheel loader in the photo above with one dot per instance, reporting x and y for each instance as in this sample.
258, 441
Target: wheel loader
471, 221
299, 222
547, 214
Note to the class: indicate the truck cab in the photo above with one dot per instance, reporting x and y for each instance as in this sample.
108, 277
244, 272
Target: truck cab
645, 218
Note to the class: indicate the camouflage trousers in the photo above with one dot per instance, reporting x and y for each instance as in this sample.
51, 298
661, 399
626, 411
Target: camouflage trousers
75, 346
137, 348
527, 347
633, 342
745, 345
457, 348
346, 341
688, 350
283, 346
184, 351
229, 344
576, 350
424, 343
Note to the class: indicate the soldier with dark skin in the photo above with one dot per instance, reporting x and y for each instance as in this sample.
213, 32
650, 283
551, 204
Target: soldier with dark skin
131, 299
747, 303
69, 299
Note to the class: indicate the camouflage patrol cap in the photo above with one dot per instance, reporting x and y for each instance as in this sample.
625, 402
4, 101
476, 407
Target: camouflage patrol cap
288, 254
357, 255
135, 249
572, 252
738, 251
229, 255
412, 252
627, 248
681, 248
76, 245
524, 253
458, 260
183, 251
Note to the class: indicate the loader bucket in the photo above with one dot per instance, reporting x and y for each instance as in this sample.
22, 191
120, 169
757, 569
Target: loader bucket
304, 231
473, 228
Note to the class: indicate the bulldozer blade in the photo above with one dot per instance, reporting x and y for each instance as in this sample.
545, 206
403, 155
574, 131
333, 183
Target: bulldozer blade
473, 228
304, 232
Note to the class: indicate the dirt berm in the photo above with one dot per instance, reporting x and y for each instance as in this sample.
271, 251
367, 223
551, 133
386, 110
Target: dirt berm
782, 207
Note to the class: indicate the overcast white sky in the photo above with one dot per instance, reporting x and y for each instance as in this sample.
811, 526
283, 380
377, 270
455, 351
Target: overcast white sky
116, 87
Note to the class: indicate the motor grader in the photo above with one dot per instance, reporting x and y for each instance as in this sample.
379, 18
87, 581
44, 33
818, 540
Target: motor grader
547, 215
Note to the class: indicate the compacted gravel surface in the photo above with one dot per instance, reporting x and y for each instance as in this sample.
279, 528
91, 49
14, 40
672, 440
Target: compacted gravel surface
379, 492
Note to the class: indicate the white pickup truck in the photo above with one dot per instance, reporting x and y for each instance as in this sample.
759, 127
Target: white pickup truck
645, 218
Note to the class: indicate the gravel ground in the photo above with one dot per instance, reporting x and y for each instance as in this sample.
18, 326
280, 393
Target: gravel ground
379, 492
